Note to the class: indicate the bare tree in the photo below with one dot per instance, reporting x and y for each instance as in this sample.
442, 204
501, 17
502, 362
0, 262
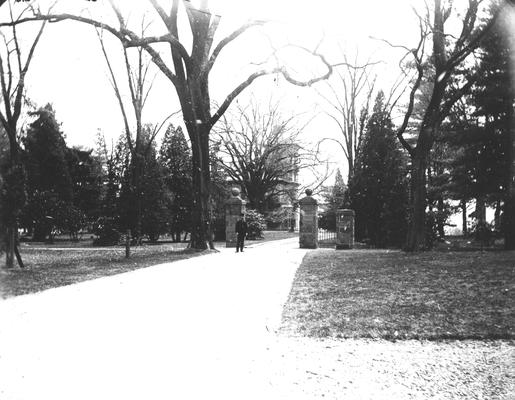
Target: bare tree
262, 152
13, 72
189, 72
448, 54
348, 98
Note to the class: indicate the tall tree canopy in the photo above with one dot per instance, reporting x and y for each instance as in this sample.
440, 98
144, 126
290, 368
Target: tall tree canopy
49, 184
262, 152
494, 98
189, 72
378, 189
175, 158
450, 50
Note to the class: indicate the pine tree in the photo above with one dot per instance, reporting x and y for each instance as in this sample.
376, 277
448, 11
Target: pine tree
86, 175
378, 189
155, 212
334, 198
175, 157
49, 185
494, 97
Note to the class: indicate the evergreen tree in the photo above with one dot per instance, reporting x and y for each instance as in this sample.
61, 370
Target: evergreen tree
86, 175
155, 212
114, 162
175, 157
494, 97
49, 185
334, 198
378, 190
220, 189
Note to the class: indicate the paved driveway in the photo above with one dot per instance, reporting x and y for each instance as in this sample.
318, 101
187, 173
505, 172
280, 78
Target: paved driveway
197, 328
203, 328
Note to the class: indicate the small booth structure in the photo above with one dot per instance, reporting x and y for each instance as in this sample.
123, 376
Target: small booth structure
344, 229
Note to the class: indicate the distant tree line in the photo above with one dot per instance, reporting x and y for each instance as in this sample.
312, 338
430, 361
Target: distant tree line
72, 190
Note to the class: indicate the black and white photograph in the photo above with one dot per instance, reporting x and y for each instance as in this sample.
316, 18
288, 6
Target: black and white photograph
257, 199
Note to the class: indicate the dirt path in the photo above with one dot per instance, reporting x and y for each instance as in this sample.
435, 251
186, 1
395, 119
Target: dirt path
204, 328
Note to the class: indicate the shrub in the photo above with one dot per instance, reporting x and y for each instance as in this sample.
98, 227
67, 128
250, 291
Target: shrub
483, 232
256, 224
105, 230
72, 220
327, 220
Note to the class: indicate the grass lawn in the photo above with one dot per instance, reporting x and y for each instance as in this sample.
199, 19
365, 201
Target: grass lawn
47, 269
65, 262
269, 236
396, 295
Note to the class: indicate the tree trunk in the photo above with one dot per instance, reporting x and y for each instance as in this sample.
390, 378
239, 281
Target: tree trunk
201, 237
497, 215
441, 219
481, 228
9, 251
135, 195
509, 230
480, 211
416, 239
15, 187
464, 229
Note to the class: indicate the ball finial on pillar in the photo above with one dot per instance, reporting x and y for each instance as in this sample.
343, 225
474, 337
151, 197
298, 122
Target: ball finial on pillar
308, 192
235, 192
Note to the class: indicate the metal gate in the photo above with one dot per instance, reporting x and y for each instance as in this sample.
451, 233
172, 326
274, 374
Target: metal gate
326, 238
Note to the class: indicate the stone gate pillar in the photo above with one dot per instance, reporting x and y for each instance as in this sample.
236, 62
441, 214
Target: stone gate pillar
344, 229
308, 232
234, 207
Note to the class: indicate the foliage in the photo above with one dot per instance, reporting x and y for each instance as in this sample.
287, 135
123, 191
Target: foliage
73, 220
49, 184
256, 224
450, 81
281, 218
105, 229
327, 220
86, 178
334, 198
494, 97
220, 191
261, 152
155, 198
3, 232
114, 162
378, 189
175, 158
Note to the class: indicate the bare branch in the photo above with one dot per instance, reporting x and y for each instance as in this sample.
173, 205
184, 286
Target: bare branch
224, 42
21, 79
116, 89
157, 129
277, 70
127, 37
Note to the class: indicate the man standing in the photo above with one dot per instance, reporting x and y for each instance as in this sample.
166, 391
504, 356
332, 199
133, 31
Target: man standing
241, 232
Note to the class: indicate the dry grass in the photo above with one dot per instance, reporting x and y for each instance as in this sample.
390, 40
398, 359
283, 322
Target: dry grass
395, 295
64, 262
269, 236
49, 267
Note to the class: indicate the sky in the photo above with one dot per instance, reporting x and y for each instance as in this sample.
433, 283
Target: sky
69, 71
